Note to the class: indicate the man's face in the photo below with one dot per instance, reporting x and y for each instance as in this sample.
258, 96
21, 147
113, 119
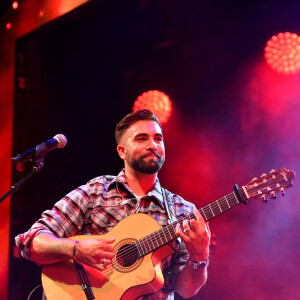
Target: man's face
144, 149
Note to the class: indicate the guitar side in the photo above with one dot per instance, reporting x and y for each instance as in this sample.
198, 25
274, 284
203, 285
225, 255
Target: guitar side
145, 276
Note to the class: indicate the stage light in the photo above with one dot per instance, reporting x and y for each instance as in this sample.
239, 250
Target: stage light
8, 25
158, 102
282, 53
15, 5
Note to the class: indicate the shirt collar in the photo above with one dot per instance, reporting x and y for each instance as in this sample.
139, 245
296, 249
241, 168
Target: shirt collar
156, 191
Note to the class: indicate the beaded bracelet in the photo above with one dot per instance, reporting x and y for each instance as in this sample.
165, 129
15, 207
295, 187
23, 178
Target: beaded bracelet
74, 250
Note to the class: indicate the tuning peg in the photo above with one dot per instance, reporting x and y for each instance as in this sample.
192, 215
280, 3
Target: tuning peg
282, 191
273, 195
263, 175
263, 199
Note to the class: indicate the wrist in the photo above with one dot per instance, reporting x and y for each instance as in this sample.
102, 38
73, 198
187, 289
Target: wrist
197, 258
199, 265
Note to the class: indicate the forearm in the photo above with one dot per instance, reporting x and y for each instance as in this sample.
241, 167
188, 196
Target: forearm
47, 249
189, 281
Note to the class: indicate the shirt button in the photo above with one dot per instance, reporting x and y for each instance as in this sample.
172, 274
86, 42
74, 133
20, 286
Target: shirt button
118, 201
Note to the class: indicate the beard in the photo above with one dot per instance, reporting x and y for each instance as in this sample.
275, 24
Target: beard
146, 167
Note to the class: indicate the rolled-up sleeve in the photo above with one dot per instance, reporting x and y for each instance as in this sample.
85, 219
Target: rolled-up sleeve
65, 219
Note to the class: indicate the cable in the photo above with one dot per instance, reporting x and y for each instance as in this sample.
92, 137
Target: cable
34, 291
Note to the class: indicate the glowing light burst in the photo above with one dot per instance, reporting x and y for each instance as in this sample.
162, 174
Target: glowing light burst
282, 53
158, 102
15, 5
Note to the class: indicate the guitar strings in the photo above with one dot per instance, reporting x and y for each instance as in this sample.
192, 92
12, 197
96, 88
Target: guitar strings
207, 212
225, 203
166, 235
158, 234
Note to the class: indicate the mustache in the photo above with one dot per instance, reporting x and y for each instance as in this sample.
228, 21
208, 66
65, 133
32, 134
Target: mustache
151, 153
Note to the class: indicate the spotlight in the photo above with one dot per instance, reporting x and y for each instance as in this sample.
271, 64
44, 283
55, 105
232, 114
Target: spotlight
15, 5
158, 102
282, 53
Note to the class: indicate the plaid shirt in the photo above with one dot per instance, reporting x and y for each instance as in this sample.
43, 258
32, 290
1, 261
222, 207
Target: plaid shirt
95, 208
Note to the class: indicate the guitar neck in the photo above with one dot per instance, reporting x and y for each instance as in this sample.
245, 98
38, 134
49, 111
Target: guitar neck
167, 234
222, 205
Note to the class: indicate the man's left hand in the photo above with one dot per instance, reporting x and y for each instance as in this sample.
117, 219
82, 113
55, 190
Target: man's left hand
196, 237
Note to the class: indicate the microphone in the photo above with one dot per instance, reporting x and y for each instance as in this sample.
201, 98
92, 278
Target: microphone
40, 151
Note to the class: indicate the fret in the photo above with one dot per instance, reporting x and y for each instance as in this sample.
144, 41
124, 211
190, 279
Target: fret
203, 214
173, 232
139, 247
167, 232
237, 200
214, 208
153, 242
168, 227
148, 242
227, 201
211, 210
219, 206
163, 231
144, 246
160, 237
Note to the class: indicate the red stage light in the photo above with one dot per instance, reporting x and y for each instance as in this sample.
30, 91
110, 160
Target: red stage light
282, 53
8, 25
15, 4
158, 102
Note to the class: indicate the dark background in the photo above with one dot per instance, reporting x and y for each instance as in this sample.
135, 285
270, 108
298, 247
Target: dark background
234, 118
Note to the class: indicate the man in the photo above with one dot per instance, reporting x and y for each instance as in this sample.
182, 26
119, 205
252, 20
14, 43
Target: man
95, 208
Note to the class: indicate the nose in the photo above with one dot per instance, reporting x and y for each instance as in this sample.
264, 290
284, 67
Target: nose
151, 145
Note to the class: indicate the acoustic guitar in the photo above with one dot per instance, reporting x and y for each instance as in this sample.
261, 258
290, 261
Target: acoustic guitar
140, 247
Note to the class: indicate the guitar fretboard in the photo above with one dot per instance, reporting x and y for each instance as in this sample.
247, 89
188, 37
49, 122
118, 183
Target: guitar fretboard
167, 234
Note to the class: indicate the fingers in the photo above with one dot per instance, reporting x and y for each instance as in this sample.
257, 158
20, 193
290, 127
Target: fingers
183, 234
103, 264
196, 236
198, 215
108, 241
105, 261
104, 249
198, 225
192, 228
97, 253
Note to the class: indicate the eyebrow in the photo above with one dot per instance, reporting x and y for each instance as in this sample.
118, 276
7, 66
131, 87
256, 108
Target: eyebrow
146, 134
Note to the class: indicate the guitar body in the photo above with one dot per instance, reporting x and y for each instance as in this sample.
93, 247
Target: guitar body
143, 276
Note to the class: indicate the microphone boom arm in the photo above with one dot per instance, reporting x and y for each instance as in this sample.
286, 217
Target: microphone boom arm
37, 166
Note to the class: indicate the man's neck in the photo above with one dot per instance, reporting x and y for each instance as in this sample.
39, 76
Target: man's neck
140, 183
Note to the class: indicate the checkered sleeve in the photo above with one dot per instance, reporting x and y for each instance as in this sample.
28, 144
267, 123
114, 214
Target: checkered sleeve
65, 219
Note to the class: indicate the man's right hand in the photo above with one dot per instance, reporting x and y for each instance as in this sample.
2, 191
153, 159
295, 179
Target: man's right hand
96, 253
48, 249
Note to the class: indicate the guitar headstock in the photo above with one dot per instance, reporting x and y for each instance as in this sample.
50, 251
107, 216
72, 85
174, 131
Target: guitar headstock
270, 184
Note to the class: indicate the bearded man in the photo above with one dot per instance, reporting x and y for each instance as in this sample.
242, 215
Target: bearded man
94, 209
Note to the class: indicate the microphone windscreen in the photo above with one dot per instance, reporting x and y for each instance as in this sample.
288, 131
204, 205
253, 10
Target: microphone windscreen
62, 140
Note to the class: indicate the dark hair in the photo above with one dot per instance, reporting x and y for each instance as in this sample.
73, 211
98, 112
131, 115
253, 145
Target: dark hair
128, 120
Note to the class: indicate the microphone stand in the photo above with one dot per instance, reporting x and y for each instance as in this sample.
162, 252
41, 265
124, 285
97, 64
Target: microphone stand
37, 166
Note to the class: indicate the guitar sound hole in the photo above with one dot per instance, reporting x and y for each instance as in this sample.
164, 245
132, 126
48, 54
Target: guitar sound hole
127, 255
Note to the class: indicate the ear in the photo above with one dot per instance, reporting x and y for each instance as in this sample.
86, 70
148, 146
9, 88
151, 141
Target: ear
121, 151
